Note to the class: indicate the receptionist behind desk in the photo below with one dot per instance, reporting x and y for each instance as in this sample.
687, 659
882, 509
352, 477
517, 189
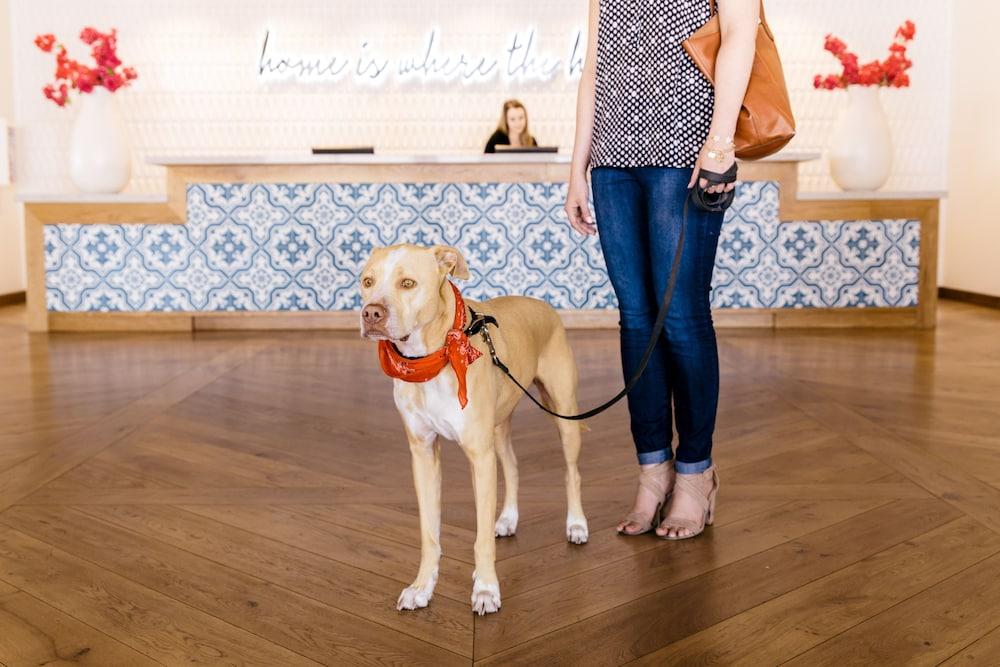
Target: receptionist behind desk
512, 130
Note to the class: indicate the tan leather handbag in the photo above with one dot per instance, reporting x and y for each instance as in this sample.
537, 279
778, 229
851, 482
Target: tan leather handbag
765, 123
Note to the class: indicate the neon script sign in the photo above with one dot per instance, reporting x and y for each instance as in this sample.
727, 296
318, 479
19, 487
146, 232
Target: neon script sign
519, 60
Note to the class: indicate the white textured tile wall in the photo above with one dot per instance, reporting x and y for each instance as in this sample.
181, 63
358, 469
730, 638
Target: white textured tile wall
199, 91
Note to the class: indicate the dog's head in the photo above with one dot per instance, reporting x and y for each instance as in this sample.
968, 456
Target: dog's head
401, 288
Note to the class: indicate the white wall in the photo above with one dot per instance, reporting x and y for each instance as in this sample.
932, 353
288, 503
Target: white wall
11, 238
972, 233
199, 91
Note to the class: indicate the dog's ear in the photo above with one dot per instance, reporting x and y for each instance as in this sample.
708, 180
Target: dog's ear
451, 261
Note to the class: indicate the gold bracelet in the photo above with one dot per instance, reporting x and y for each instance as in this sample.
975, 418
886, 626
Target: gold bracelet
719, 154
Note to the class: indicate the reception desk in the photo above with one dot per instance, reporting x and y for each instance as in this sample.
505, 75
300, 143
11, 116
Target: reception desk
260, 243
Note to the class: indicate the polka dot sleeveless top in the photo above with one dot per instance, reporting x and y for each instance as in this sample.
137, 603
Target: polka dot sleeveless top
652, 106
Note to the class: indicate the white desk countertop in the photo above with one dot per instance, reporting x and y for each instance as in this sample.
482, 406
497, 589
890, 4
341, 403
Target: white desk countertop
390, 158
838, 195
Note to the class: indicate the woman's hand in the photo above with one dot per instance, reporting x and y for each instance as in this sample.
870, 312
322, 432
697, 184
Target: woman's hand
711, 164
578, 206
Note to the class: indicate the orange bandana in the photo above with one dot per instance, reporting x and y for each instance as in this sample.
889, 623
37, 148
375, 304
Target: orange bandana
457, 351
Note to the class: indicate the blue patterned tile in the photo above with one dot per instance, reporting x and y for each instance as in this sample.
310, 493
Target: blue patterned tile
831, 277
323, 213
261, 213
446, 215
165, 248
800, 245
351, 244
387, 213
799, 294
262, 279
169, 299
766, 278
197, 280
756, 203
897, 280
486, 250
230, 298
57, 241
909, 241
102, 247
229, 247
294, 246
862, 245
66, 285
225, 196
740, 245
135, 281
515, 213
328, 283
518, 277
104, 299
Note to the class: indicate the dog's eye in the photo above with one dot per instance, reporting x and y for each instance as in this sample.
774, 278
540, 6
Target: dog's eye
408, 283
367, 282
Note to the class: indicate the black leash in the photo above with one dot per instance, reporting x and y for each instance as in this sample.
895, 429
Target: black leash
704, 200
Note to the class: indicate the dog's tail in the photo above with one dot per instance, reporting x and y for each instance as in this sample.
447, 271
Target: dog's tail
558, 374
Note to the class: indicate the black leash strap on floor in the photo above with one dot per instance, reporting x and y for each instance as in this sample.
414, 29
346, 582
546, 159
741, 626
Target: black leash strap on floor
480, 321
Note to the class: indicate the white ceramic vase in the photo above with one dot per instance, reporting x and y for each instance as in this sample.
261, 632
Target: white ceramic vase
861, 152
99, 160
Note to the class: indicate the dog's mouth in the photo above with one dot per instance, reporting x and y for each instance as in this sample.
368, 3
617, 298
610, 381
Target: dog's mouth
381, 334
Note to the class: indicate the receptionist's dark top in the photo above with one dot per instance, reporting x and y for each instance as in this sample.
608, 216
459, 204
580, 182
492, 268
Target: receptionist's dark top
500, 138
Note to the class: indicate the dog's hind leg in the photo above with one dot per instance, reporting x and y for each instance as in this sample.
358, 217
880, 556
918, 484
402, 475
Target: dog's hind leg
557, 378
425, 453
506, 524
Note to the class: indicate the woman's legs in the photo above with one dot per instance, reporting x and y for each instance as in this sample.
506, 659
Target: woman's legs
639, 217
621, 213
693, 362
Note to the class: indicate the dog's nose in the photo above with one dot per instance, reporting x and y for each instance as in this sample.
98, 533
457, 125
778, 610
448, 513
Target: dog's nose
373, 313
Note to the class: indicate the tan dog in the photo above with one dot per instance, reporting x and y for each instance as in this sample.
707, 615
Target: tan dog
408, 300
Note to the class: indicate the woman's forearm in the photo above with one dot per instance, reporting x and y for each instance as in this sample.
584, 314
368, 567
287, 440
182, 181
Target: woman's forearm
584, 124
738, 20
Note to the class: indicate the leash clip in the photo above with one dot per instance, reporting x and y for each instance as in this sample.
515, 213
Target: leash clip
486, 320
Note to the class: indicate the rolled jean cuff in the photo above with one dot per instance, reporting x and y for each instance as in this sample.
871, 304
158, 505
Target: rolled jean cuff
692, 468
652, 458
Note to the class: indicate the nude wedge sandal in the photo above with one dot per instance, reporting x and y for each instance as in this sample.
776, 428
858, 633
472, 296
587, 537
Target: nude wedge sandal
648, 480
707, 503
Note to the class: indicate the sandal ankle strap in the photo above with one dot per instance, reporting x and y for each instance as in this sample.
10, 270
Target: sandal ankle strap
688, 485
649, 478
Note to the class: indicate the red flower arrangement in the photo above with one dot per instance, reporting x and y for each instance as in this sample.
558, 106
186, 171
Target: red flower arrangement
75, 75
889, 72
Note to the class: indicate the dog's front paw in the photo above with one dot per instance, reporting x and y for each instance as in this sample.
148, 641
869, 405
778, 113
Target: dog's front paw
506, 525
577, 531
414, 597
485, 597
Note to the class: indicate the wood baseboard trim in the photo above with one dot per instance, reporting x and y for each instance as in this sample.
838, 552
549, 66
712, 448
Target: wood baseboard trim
12, 299
110, 322
975, 298
727, 318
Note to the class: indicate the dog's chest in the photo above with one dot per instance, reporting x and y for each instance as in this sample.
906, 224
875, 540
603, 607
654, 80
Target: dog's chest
432, 406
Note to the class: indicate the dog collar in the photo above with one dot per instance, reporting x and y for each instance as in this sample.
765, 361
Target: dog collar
457, 351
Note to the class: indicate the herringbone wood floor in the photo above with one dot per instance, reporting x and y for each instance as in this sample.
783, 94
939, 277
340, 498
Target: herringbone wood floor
226, 499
